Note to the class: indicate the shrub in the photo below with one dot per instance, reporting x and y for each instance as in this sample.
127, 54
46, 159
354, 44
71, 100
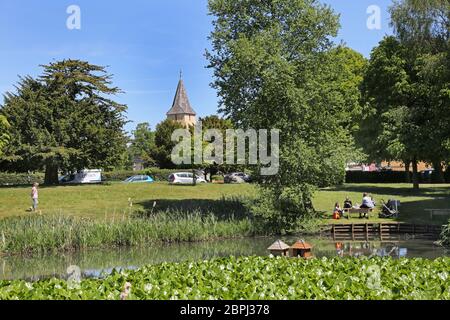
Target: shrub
217, 178
390, 177
280, 215
13, 179
375, 177
156, 173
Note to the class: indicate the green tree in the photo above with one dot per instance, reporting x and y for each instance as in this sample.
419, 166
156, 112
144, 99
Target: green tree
275, 68
4, 136
222, 125
406, 88
396, 114
143, 144
64, 120
164, 144
423, 27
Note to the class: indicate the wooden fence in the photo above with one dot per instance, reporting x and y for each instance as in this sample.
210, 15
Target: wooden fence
380, 231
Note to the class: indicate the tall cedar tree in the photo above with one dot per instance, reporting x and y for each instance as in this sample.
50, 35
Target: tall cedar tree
64, 121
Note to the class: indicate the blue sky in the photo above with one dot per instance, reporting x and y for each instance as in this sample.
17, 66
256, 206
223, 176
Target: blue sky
145, 43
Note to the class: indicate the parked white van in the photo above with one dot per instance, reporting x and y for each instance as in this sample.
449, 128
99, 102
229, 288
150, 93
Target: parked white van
185, 178
82, 177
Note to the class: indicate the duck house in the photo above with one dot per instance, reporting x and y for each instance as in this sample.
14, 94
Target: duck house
279, 248
301, 249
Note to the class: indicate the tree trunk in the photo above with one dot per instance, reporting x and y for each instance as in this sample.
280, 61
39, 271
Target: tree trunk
439, 173
415, 176
407, 171
51, 174
194, 178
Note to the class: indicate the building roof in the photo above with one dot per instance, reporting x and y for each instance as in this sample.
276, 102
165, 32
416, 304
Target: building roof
278, 245
181, 104
301, 244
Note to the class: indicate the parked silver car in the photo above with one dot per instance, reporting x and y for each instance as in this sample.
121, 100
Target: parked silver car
185, 178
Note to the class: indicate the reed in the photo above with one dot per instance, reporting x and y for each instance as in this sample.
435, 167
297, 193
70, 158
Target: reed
42, 234
445, 236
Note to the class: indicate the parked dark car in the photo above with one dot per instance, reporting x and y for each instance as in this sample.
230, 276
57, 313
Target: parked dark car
237, 177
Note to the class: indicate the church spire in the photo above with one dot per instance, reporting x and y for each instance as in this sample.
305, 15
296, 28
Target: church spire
181, 104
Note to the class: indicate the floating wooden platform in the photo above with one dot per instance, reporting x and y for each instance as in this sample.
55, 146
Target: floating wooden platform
380, 231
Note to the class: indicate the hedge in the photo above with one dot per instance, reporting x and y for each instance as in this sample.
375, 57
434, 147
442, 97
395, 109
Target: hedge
13, 179
389, 177
17, 179
156, 173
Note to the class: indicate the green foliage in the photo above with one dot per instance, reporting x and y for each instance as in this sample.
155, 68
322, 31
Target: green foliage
376, 177
383, 134
221, 125
163, 143
390, 177
4, 136
352, 66
64, 121
279, 213
42, 234
445, 235
423, 23
142, 144
156, 173
406, 87
217, 178
256, 278
16, 179
276, 68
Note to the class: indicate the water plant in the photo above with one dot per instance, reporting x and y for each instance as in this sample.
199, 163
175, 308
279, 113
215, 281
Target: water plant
257, 278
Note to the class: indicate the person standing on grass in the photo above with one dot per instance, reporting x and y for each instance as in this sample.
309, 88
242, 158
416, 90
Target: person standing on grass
35, 197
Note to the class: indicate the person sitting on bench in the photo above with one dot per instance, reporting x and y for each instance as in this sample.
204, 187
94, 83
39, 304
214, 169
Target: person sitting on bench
337, 211
367, 203
348, 204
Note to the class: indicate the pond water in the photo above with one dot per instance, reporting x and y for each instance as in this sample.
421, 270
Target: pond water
95, 263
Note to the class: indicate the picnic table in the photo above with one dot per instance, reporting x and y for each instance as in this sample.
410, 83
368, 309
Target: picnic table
438, 212
360, 211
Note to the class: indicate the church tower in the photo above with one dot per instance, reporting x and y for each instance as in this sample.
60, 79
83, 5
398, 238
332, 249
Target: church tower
181, 110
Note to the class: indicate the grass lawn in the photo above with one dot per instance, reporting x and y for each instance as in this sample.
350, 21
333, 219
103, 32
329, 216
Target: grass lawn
98, 201
413, 203
112, 200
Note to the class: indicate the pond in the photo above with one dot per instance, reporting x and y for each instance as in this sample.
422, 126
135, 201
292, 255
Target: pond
95, 263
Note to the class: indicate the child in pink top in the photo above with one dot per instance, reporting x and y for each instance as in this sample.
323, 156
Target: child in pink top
35, 196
